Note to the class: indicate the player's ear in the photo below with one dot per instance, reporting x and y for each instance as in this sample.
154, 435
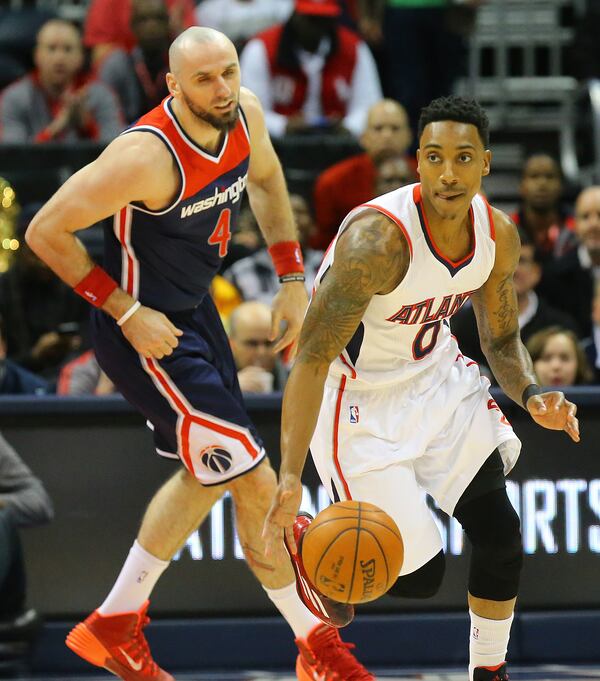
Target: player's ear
418, 161
487, 162
172, 84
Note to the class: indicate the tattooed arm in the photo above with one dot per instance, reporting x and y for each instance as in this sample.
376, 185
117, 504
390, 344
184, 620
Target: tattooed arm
497, 312
371, 258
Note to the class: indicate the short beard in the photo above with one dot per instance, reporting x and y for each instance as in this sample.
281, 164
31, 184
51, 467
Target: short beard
223, 123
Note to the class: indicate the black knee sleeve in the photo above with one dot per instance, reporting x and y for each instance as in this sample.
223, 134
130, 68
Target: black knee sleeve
422, 583
492, 526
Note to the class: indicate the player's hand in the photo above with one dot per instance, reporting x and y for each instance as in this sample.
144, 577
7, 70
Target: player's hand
282, 514
289, 305
151, 333
553, 411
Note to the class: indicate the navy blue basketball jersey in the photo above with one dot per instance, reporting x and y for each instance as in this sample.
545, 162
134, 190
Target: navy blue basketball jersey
167, 259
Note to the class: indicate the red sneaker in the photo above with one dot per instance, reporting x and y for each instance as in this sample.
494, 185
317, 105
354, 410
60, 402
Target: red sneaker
325, 657
116, 642
498, 673
330, 612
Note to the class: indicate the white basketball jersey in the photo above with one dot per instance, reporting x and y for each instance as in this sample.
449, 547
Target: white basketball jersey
405, 334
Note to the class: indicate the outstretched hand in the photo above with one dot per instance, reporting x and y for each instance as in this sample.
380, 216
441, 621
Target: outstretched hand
282, 514
553, 411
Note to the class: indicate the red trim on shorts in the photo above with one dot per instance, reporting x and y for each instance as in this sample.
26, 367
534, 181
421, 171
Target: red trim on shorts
336, 425
393, 218
193, 417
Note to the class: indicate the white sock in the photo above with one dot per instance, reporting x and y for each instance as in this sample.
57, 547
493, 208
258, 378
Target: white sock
135, 582
488, 642
297, 615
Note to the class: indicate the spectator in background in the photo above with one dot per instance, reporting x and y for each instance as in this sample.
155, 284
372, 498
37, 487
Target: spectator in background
311, 74
23, 503
83, 376
558, 358
14, 380
352, 181
44, 319
569, 280
139, 76
424, 45
535, 314
541, 214
108, 24
393, 172
242, 19
259, 370
57, 101
255, 278
591, 345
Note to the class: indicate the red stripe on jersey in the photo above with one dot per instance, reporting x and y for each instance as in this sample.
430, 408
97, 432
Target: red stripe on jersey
124, 238
348, 365
201, 167
455, 263
336, 425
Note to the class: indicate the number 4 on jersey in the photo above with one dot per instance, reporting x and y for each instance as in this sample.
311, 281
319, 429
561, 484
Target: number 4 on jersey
222, 232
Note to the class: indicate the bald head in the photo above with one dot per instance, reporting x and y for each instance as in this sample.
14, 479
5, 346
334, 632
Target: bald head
250, 327
188, 45
250, 314
388, 130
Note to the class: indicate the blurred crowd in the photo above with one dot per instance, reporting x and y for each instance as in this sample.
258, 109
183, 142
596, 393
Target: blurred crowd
358, 70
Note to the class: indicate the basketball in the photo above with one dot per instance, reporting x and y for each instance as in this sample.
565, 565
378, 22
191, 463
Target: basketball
352, 552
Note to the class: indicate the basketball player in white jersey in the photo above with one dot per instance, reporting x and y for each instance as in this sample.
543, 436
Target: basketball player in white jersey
381, 393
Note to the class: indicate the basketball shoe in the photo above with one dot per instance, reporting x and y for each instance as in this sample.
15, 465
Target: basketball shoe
325, 657
116, 642
498, 673
330, 612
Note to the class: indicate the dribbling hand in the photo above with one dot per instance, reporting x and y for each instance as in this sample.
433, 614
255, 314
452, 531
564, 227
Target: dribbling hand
151, 333
282, 514
553, 411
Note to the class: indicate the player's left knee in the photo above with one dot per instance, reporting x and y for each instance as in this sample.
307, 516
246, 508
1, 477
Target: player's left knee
493, 527
422, 583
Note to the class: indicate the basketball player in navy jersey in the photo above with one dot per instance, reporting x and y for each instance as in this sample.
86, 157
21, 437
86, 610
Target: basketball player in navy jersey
173, 183
391, 408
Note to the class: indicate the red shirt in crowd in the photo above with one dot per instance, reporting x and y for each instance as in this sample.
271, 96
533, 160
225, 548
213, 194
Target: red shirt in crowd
108, 21
338, 190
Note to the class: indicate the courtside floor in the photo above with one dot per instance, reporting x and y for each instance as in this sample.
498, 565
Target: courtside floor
545, 673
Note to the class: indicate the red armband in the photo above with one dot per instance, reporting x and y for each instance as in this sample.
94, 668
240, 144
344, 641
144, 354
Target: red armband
286, 257
96, 286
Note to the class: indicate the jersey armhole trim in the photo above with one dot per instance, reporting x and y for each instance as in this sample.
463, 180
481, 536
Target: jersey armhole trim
490, 218
394, 219
161, 135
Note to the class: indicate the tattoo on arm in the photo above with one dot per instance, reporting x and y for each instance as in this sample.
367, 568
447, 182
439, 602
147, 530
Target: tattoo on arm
371, 257
497, 314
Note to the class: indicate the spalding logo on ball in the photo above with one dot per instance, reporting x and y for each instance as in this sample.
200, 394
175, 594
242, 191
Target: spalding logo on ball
216, 459
352, 552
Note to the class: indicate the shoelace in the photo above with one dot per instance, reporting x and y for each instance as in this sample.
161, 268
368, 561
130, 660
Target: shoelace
140, 649
333, 657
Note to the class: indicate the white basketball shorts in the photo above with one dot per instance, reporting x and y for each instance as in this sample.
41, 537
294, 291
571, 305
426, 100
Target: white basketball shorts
391, 445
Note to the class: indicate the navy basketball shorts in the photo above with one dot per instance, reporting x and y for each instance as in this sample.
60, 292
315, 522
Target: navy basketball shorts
191, 399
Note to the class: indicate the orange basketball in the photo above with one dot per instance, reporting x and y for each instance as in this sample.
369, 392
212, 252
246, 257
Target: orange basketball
352, 552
